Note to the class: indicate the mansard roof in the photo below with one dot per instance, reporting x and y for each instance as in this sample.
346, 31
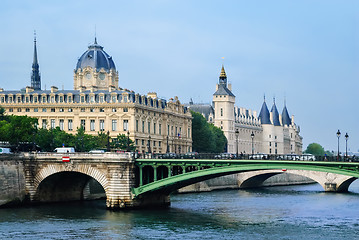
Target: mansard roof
264, 114
275, 115
286, 120
205, 109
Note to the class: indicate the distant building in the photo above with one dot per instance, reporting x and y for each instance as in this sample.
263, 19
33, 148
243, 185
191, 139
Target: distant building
273, 133
98, 104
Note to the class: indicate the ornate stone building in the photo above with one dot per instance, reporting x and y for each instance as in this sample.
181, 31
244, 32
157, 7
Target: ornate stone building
268, 132
97, 103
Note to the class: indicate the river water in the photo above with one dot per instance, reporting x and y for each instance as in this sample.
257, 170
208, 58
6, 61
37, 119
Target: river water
290, 212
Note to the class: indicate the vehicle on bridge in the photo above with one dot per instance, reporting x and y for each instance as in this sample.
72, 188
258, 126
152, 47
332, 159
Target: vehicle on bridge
65, 150
5, 150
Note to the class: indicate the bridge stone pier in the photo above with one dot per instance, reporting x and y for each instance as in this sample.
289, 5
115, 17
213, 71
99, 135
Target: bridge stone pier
49, 179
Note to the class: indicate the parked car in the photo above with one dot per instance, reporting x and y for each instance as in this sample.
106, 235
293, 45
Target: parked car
191, 155
291, 157
258, 156
5, 150
307, 157
224, 156
168, 156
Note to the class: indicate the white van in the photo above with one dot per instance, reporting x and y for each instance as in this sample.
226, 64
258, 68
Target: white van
65, 150
5, 150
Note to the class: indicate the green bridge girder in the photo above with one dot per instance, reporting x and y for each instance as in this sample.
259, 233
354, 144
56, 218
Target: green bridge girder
197, 170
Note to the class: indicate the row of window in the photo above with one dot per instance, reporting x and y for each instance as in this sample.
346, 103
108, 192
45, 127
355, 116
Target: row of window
117, 98
63, 110
70, 126
114, 126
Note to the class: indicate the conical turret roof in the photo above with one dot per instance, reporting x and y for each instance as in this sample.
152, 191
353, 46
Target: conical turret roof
275, 115
264, 114
286, 120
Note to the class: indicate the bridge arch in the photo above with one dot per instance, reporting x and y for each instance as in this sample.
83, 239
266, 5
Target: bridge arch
330, 178
78, 176
325, 179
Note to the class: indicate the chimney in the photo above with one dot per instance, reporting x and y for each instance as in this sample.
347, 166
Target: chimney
29, 89
53, 89
111, 88
152, 95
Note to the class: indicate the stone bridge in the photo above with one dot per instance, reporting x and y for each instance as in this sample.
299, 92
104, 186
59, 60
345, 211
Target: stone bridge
129, 183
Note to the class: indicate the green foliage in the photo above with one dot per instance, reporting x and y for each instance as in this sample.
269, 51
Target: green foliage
122, 142
16, 129
315, 149
206, 138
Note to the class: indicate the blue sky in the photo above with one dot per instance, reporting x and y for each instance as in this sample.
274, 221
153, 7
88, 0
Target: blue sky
304, 51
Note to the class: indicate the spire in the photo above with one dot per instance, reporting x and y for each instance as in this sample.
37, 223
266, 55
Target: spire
223, 73
264, 113
34, 62
223, 77
275, 114
286, 120
35, 75
95, 36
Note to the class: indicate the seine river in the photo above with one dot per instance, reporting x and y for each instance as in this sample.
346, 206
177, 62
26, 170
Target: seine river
294, 212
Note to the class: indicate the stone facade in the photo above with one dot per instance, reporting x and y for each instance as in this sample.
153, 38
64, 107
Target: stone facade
247, 132
98, 104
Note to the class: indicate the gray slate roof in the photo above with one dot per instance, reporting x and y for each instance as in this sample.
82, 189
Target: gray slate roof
264, 114
95, 57
223, 90
204, 109
286, 120
275, 115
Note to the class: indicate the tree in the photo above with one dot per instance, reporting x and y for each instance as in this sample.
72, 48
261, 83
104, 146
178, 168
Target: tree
2, 113
123, 142
315, 149
16, 129
206, 137
220, 139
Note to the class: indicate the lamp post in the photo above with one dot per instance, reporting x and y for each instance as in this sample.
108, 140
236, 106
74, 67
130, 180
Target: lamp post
128, 140
149, 144
168, 147
237, 134
252, 136
108, 141
338, 135
346, 145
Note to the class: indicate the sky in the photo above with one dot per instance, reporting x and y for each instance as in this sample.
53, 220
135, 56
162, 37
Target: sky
303, 52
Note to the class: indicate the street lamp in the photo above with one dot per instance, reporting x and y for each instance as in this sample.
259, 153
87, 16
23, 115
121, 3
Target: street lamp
346, 145
338, 135
237, 134
168, 147
252, 136
108, 141
128, 140
149, 144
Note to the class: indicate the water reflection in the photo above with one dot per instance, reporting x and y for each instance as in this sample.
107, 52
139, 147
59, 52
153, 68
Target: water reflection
291, 212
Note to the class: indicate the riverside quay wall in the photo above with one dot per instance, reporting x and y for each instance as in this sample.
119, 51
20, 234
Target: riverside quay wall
12, 181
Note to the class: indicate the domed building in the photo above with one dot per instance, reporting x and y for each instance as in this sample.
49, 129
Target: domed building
95, 68
98, 104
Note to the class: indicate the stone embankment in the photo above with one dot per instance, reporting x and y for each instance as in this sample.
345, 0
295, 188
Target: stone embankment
12, 182
235, 181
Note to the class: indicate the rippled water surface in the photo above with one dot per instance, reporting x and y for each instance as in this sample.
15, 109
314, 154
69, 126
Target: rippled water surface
294, 212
